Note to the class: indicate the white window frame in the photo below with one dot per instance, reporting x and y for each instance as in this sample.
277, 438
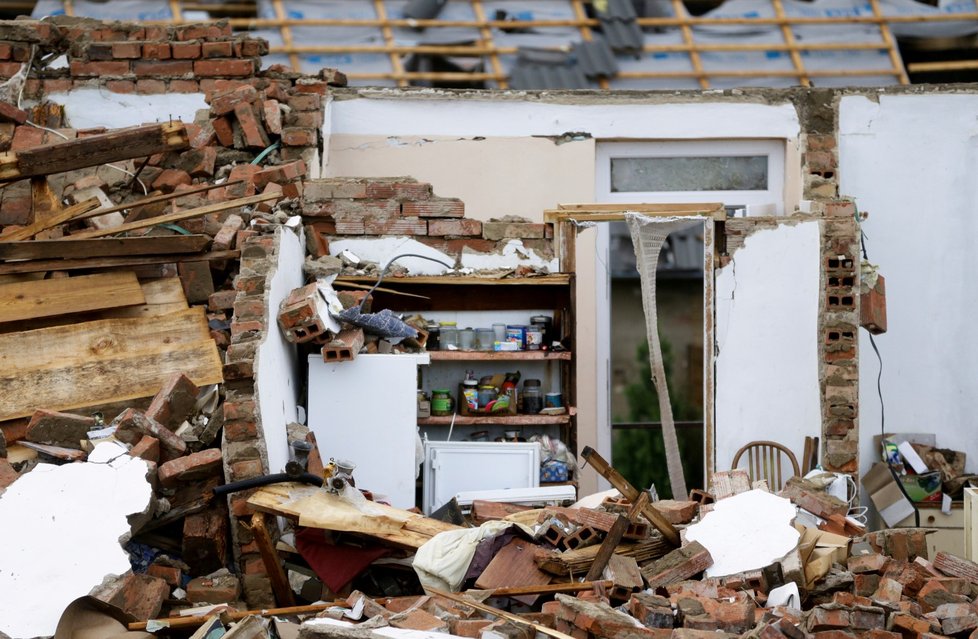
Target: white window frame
767, 202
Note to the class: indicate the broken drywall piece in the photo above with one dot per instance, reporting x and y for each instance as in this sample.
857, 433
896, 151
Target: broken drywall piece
746, 532
512, 255
382, 249
62, 534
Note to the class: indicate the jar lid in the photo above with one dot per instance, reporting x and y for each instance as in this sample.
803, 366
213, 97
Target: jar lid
441, 390
542, 319
487, 387
531, 382
469, 382
449, 324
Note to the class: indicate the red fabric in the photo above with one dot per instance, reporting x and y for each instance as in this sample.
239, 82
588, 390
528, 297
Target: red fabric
335, 565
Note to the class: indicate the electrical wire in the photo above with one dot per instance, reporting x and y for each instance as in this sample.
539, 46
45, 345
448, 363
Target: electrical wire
879, 391
383, 272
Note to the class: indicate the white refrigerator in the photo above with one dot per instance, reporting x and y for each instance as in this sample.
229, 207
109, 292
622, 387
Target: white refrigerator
365, 411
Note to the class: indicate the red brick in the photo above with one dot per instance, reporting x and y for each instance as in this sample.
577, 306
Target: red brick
292, 136
240, 430
311, 86
280, 173
147, 448
10, 113
908, 626
7, 474
80, 68
231, 67
175, 401
149, 86
254, 133
55, 85
868, 563
9, 69
217, 50
272, 116
394, 226
247, 469
184, 86
205, 540
305, 102
304, 119
823, 618
223, 102
156, 51
141, 596
221, 300
170, 574
170, 179
185, 50
6, 51
435, 208
419, 620
163, 68
131, 425
454, 227
223, 131
468, 627
203, 31
127, 50
253, 48
193, 467
217, 590
199, 162
121, 86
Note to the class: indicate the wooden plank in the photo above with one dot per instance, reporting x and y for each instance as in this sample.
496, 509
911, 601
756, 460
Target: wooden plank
607, 548
59, 345
103, 247
629, 492
551, 589
59, 217
197, 620
467, 356
48, 298
553, 279
154, 199
122, 144
176, 217
520, 621
273, 565
42, 266
513, 566
58, 452
119, 378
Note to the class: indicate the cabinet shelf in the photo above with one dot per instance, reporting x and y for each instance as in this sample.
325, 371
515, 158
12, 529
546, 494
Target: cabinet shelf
501, 420
507, 356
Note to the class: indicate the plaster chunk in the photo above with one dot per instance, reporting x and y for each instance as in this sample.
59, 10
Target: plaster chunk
746, 532
62, 535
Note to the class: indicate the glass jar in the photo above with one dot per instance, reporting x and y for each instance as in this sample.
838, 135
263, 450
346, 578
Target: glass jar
532, 397
442, 402
448, 338
485, 339
466, 339
470, 394
434, 337
534, 337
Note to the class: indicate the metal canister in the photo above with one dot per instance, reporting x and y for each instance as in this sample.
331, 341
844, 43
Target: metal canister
534, 337
546, 324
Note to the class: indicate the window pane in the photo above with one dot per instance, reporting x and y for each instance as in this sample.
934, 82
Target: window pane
716, 173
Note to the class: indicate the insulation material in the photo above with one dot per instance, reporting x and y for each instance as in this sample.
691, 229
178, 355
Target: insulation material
746, 532
62, 537
648, 236
137, 10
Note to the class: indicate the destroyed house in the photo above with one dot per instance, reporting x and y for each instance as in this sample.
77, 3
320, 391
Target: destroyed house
274, 345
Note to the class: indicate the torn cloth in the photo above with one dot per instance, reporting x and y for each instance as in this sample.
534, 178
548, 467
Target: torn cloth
444, 560
335, 565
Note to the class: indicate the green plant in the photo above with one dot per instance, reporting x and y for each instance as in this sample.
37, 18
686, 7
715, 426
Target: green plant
639, 454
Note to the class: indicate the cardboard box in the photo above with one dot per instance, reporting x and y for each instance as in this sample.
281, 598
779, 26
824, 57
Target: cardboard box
819, 550
886, 495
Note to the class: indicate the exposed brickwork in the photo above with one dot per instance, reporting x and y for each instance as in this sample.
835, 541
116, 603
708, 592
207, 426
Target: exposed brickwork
839, 331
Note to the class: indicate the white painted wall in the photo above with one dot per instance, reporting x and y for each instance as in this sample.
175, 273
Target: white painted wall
277, 371
767, 299
92, 107
486, 152
909, 161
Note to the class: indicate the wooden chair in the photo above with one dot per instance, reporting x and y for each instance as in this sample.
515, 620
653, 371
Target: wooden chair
764, 461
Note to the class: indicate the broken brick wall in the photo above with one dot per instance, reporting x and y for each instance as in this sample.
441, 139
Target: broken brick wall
342, 208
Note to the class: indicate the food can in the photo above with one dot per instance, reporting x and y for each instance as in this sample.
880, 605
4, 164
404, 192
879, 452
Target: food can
534, 338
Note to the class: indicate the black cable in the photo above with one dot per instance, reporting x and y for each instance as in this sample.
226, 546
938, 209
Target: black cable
879, 391
383, 272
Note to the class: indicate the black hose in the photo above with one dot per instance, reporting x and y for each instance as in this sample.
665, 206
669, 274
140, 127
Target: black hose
256, 482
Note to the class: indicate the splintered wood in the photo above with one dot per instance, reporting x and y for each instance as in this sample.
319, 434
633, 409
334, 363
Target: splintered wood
48, 298
108, 360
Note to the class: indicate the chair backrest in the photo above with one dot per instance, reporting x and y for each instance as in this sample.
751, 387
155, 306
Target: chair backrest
764, 461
